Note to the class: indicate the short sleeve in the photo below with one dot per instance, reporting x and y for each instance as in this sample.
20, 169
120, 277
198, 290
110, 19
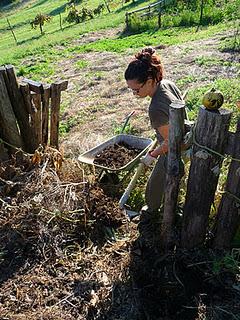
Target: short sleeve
158, 118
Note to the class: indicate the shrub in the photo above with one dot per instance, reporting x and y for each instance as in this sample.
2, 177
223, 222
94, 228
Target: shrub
39, 20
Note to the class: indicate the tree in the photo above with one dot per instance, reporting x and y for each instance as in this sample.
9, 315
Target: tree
39, 20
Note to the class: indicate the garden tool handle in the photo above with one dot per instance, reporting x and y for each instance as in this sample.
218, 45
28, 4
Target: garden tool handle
132, 183
127, 120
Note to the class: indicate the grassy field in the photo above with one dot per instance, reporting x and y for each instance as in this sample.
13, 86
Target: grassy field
30, 40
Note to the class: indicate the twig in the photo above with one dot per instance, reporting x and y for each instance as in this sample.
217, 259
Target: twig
64, 299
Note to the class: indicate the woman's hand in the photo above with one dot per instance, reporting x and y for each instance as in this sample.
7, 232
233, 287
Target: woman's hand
148, 159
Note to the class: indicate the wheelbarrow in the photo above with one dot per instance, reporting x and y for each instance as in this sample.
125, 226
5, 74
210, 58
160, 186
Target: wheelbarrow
117, 176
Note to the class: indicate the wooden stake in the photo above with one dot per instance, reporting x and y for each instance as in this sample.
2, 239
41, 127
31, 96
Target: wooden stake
45, 114
55, 110
175, 171
37, 118
211, 132
60, 21
9, 129
228, 215
19, 108
56, 89
15, 39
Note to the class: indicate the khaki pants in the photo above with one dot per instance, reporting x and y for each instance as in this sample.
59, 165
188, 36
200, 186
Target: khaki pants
156, 184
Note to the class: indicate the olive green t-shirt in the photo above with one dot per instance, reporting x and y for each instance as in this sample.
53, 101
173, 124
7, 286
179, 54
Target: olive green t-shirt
158, 111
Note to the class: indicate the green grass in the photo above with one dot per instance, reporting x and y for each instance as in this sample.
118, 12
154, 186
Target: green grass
30, 40
209, 61
41, 62
81, 64
231, 93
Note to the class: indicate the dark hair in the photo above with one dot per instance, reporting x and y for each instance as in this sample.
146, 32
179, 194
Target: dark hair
146, 65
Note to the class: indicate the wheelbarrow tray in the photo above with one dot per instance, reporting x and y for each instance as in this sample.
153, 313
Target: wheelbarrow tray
140, 143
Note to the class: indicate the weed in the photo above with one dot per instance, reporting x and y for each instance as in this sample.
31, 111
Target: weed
129, 129
81, 64
229, 262
66, 126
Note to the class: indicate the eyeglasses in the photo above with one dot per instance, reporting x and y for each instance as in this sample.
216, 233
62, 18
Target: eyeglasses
138, 90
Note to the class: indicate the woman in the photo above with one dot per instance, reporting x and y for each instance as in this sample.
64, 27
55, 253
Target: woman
144, 76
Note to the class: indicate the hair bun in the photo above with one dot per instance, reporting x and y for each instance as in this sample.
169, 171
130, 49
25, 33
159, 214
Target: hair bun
145, 55
149, 50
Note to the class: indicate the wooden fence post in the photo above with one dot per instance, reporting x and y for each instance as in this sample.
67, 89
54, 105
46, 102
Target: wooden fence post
45, 114
36, 118
175, 170
127, 20
31, 109
19, 108
13, 34
228, 215
9, 128
211, 132
56, 89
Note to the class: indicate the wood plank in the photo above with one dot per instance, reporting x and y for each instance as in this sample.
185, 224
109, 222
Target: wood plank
9, 128
19, 108
175, 171
62, 85
34, 86
26, 94
211, 131
230, 144
228, 215
45, 114
55, 110
37, 118
25, 91
147, 7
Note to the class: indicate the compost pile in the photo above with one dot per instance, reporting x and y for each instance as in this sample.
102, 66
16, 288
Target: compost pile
59, 257
116, 156
68, 252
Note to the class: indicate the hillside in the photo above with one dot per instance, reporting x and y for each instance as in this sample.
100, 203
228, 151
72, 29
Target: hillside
66, 249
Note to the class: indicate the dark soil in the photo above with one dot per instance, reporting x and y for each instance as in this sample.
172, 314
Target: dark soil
116, 156
184, 285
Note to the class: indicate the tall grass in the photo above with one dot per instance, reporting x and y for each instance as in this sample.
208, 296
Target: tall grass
187, 13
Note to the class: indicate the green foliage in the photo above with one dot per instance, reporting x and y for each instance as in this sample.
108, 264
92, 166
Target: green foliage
129, 129
39, 20
77, 16
187, 14
81, 64
65, 126
37, 70
136, 200
230, 262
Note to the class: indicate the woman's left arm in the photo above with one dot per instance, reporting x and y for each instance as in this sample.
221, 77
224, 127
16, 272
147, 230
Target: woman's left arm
163, 148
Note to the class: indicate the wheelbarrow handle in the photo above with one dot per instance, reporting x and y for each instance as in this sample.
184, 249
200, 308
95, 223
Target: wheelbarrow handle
132, 183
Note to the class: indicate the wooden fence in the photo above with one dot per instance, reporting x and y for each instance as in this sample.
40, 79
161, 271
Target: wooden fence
212, 141
155, 9
29, 112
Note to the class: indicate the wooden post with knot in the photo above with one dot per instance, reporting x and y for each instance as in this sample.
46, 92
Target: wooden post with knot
210, 138
175, 170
